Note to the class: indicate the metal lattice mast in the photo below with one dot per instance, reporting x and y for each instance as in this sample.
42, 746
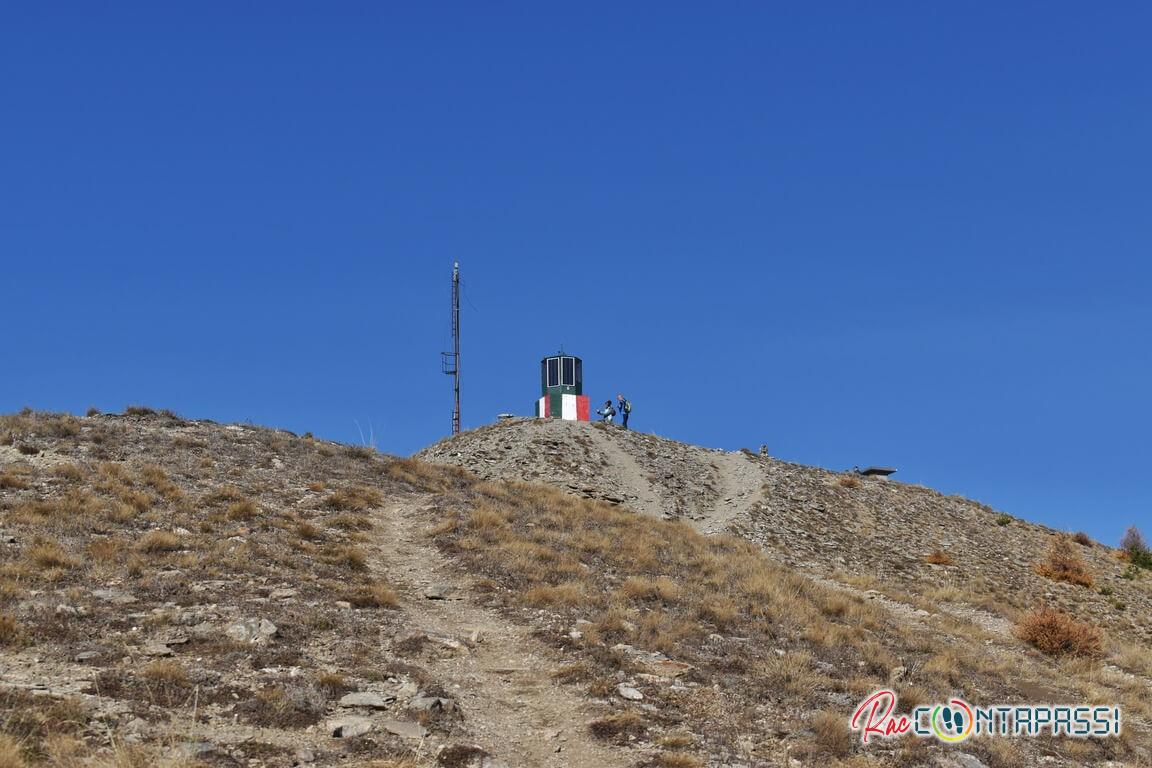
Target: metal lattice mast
450, 361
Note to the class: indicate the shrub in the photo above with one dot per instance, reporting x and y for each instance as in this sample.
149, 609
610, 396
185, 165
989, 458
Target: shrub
10, 630
9, 480
619, 727
1003, 519
848, 481
938, 557
160, 541
371, 596
1064, 564
1136, 548
49, 554
355, 499
1133, 541
1082, 539
1058, 634
11, 753
243, 510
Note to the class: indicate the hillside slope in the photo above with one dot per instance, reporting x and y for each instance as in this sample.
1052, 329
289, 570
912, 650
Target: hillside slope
186, 593
862, 531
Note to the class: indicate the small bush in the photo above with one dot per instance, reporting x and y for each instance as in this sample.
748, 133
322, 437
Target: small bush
1082, 539
10, 631
243, 510
1064, 564
848, 481
9, 480
1058, 634
832, 735
620, 727
1136, 549
159, 541
355, 499
371, 596
938, 557
1003, 519
49, 554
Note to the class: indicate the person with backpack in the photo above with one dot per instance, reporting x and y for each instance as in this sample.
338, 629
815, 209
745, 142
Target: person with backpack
625, 409
607, 412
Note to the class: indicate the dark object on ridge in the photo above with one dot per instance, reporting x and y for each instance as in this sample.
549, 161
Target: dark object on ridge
873, 471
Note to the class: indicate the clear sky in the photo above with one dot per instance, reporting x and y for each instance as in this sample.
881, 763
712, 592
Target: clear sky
905, 233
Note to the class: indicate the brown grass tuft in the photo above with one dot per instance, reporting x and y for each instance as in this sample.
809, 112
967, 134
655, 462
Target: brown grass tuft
938, 557
371, 596
1065, 564
155, 542
11, 753
10, 630
1058, 634
848, 481
355, 499
46, 553
1082, 539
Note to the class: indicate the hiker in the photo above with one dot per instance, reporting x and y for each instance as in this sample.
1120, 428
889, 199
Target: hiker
607, 412
625, 409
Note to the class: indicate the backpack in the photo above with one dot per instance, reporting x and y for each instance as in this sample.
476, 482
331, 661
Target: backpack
627, 406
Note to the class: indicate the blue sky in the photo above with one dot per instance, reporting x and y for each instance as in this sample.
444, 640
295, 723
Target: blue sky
905, 233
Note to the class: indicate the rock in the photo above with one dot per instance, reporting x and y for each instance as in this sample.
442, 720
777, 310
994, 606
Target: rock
367, 699
305, 755
194, 750
348, 727
114, 596
157, 649
897, 674
629, 693
66, 610
252, 631
431, 704
404, 729
283, 594
960, 760
343, 604
439, 591
84, 656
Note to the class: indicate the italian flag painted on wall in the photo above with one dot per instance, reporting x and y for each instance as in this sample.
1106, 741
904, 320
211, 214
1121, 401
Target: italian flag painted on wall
568, 407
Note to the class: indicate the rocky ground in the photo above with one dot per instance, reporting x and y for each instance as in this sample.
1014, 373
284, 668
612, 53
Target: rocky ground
185, 593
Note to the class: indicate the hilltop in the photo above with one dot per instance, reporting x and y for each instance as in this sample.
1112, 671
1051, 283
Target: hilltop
185, 593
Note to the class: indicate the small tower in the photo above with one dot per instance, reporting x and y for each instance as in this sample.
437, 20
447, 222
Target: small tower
562, 389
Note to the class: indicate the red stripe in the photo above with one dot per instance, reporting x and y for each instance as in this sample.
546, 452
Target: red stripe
583, 413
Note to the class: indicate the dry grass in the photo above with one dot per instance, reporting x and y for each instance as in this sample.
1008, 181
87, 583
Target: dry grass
848, 481
1058, 634
371, 596
938, 557
1082, 539
243, 510
11, 753
831, 734
166, 672
47, 553
675, 760
10, 630
1064, 563
618, 728
12, 480
156, 542
355, 499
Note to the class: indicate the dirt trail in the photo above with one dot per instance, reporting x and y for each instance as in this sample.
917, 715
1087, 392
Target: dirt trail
510, 705
633, 477
740, 480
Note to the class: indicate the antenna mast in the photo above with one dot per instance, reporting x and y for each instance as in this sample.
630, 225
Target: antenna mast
450, 361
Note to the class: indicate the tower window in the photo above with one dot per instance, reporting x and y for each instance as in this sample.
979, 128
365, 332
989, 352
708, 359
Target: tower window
553, 371
568, 365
